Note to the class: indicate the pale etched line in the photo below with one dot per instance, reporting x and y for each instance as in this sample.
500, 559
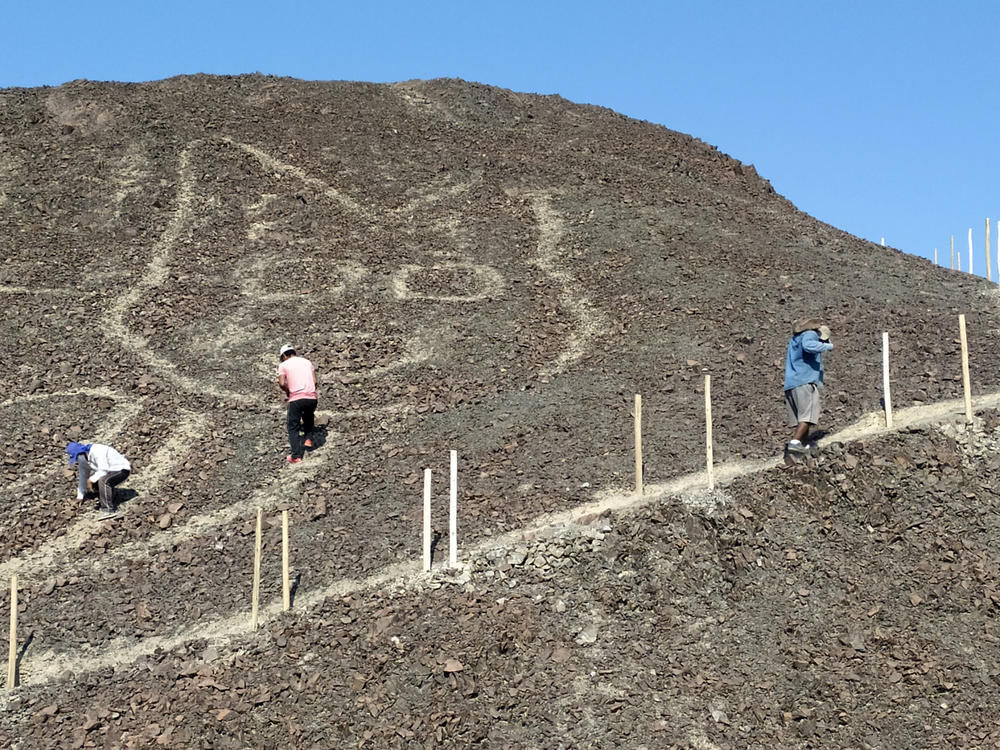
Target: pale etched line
283, 489
490, 282
163, 462
49, 665
55, 292
131, 176
276, 165
431, 197
46, 666
169, 455
157, 272
106, 432
99, 392
155, 275
589, 321
414, 97
351, 272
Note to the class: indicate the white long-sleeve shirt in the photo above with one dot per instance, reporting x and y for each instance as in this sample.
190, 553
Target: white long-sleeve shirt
99, 461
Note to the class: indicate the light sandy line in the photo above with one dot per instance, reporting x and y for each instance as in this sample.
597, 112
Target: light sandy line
155, 275
111, 427
49, 665
52, 554
283, 489
90, 392
168, 456
435, 196
47, 557
281, 167
490, 282
57, 292
589, 320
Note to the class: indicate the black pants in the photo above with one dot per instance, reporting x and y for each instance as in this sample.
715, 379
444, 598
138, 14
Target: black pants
106, 488
300, 419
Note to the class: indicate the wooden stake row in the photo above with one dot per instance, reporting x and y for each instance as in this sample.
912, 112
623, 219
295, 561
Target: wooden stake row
956, 259
286, 589
887, 401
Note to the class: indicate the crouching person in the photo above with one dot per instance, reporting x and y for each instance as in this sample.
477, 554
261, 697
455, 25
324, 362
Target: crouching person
101, 466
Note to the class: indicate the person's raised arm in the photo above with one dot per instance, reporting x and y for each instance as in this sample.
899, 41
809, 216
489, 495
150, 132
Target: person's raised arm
812, 344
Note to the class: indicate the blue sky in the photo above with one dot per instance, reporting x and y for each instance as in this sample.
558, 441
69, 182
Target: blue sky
879, 117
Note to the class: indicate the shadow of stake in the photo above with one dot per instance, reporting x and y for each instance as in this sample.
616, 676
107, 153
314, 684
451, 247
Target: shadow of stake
20, 657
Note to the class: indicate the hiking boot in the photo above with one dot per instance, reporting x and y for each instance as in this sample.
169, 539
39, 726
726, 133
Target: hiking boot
794, 446
309, 443
293, 460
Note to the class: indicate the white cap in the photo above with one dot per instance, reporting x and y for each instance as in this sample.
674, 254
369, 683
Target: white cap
286, 348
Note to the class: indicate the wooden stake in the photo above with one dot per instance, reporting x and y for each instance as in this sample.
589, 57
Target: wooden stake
255, 606
952, 252
935, 257
638, 444
708, 433
965, 369
12, 656
286, 586
427, 519
959, 256
989, 272
970, 250
453, 513
885, 379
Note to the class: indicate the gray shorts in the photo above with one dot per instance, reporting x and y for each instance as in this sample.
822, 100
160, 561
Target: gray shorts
802, 404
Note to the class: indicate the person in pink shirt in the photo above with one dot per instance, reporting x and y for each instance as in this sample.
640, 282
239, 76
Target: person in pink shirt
298, 380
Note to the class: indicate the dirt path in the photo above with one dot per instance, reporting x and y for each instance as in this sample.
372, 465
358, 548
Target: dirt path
40, 668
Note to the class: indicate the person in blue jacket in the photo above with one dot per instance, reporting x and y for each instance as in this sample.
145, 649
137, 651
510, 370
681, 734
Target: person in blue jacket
804, 379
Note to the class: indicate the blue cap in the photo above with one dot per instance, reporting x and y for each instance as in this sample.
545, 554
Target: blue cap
75, 450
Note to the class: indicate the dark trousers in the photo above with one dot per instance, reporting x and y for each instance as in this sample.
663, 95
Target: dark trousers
300, 419
106, 488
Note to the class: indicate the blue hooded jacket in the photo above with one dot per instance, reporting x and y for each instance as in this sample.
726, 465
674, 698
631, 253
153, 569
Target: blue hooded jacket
804, 361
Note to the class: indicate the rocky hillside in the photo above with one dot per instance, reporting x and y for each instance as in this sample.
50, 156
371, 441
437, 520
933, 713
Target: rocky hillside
469, 268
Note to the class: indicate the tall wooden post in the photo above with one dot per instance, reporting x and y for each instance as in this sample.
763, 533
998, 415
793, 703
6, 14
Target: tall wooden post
709, 462
935, 257
427, 520
286, 585
638, 444
12, 654
966, 385
885, 379
255, 600
970, 251
989, 273
453, 512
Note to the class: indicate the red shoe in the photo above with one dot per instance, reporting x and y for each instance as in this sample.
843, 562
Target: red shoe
309, 443
293, 460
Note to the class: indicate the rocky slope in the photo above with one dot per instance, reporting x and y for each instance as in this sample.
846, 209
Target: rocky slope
469, 268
